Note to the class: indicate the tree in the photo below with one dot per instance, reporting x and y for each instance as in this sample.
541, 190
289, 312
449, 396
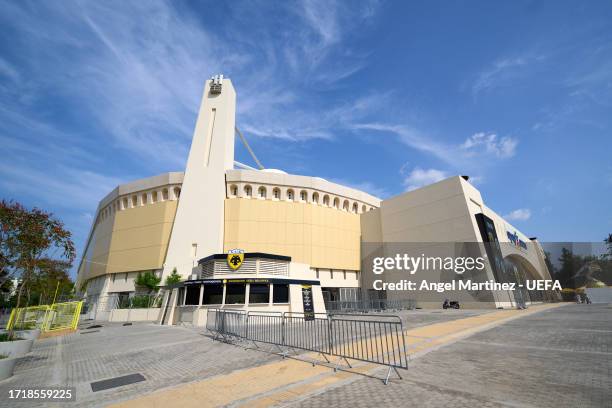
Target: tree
173, 278
608, 242
29, 240
51, 283
569, 265
147, 280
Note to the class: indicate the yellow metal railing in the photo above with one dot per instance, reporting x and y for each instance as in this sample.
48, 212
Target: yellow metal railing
57, 316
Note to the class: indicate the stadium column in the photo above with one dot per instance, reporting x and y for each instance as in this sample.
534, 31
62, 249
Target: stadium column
198, 224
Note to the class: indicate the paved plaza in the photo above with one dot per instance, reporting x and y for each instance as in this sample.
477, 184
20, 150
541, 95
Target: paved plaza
556, 358
553, 357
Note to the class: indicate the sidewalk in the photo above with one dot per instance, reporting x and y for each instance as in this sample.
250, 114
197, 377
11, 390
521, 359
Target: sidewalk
287, 380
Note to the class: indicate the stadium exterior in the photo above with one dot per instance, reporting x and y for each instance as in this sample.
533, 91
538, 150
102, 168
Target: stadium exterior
304, 242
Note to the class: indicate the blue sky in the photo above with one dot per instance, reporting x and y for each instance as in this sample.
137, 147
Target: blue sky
382, 96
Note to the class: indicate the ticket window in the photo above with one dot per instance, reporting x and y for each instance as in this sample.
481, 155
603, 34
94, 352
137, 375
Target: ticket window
235, 293
213, 294
259, 293
281, 293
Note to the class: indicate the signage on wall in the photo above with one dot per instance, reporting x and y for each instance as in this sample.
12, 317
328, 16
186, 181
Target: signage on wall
308, 302
235, 257
514, 238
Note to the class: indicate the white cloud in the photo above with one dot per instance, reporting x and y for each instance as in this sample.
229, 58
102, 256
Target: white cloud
459, 156
521, 214
419, 177
502, 148
496, 74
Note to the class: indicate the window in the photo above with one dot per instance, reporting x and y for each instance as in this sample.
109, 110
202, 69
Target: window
326, 200
262, 192
315, 198
144, 198
125, 203
213, 294
317, 272
177, 192
281, 293
344, 272
345, 205
233, 190
363, 208
259, 293
303, 196
336, 203
248, 191
290, 195
276, 193
355, 208
181, 297
193, 295
154, 197
134, 201
234, 293
165, 194
331, 274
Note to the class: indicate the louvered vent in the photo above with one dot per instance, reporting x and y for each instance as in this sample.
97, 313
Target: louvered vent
248, 267
273, 267
208, 270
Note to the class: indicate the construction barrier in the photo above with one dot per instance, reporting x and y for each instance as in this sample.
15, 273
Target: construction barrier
58, 316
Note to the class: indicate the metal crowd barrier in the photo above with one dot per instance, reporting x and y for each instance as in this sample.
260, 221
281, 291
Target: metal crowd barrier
369, 305
377, 339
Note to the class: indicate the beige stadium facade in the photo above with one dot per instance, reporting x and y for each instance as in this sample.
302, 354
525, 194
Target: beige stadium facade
297, 232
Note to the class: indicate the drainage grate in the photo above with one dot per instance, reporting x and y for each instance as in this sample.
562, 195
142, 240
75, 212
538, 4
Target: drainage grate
116, 382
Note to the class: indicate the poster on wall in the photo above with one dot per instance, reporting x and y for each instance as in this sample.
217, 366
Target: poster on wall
308, 302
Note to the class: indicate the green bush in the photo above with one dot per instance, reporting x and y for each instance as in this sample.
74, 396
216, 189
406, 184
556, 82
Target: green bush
173, 278
144, 301
147, 280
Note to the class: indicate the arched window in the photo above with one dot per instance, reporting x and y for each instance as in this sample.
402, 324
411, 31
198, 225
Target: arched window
336, 203
125, 203
363, 208
303, 196
262, 192
276, 193
165, 194
154, 197
315, 198
248, 191
290, 195
326, 200
345, 205
233, 190
134, 201
144, 198
355, 208
177, 192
